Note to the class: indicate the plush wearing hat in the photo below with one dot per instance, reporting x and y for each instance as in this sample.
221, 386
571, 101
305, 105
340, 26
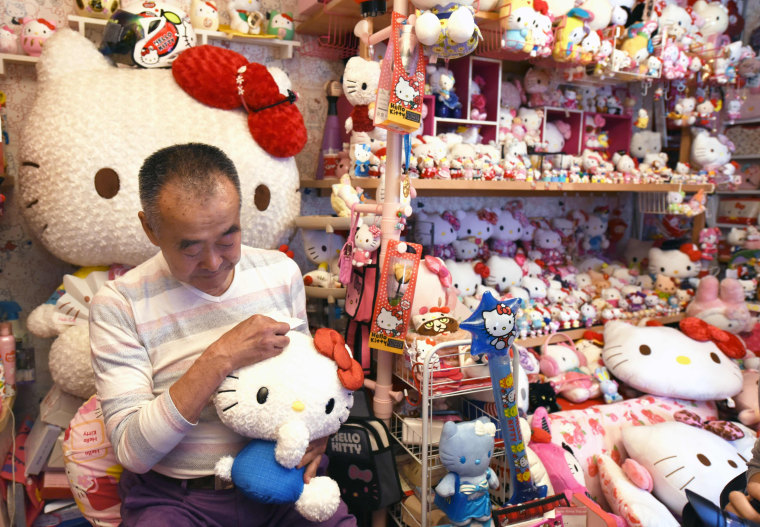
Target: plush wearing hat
225, 79
283, 403
81, 199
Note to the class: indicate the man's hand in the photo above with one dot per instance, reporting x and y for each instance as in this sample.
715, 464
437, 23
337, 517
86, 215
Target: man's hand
253, 340
312, 457
739, 502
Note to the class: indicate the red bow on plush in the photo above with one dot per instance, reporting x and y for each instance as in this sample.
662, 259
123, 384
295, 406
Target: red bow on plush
225, 79
700, 330
503, 309
330, 343
482, 270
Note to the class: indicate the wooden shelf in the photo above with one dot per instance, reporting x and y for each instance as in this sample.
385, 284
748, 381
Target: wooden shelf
11, 58
430, 187
323, 222
469, 122
283, 48
329, 293
745, 157
737, 192
574, 334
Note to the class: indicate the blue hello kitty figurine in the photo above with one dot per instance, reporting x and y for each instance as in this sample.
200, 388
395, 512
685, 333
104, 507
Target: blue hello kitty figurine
465, 450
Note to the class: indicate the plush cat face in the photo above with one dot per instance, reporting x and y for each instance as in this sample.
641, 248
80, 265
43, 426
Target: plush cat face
473, 226
387, 320
547, 239
673, 263
714, 15
507, 227
679, 457
536, 81
530, 118
436, 229
78, 179
499, 324
708, 152
360, 79
298, 384
466, 448
504, 272
643, 143
463, 276
322, 247
664, 361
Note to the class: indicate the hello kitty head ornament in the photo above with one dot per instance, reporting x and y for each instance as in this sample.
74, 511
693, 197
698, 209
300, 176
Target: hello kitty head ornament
710, 152
283, 403
80, 199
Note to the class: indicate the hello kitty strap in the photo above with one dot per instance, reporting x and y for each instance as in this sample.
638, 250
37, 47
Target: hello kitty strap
345, 267
570, 342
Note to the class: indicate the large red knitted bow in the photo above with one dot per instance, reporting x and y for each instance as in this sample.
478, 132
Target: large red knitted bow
700, 330
225, 79
330, 343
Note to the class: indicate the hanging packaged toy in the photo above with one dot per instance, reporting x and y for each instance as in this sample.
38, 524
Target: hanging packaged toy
402, 81
393, 304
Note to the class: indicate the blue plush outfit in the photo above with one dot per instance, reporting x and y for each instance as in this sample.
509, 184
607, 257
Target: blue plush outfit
468, 501
257, 473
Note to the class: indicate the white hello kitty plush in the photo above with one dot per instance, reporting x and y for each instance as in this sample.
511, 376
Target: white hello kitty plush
464, 278
710, 152
366, 241
322, 248
507, 231
503, 273
594, 234
283, 403
437, 232
477, 226
246, 16
83, 199
547, 247
714, 17
681, 263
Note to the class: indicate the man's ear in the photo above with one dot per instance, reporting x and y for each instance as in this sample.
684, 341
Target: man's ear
146, 227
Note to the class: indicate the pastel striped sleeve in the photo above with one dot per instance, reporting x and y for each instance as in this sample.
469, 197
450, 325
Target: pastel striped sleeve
143, 428
298, 296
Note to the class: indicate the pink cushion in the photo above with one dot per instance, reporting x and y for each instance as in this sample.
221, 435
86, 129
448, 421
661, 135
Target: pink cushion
92, 467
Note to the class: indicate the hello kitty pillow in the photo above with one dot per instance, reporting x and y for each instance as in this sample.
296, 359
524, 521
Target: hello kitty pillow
679, 456
659, 360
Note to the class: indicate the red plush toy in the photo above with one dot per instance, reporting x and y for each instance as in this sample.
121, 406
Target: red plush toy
225, 79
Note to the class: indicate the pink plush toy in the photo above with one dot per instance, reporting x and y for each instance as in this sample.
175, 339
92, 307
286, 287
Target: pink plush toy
746, 400
564, 470
34, 33
725, 309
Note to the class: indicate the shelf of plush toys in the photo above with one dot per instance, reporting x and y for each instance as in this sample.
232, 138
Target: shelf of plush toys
283, 48
441, 187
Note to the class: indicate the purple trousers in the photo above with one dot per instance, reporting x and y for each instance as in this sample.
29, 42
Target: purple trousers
149, 500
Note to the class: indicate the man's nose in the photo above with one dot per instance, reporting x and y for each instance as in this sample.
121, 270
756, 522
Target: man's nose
211, 260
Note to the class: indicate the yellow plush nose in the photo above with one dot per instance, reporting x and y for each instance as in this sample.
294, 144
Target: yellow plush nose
298, 406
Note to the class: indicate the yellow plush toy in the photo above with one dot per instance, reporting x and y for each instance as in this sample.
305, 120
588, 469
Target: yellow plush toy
571, 31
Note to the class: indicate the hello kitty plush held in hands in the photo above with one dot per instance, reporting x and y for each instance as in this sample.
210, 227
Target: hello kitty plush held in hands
283, 403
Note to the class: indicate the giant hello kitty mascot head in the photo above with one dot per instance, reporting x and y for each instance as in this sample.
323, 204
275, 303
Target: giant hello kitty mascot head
80, 159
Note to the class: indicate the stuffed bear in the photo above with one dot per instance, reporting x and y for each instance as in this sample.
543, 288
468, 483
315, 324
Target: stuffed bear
262, 401
83, 199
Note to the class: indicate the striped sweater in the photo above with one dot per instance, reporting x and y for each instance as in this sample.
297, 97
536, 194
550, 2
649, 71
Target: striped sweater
147, 328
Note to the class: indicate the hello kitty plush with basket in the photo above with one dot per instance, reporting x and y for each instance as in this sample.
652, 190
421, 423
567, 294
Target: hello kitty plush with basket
283, 403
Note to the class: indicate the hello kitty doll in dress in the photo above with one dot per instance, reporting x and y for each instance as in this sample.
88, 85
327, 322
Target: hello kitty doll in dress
366, 242
708, 242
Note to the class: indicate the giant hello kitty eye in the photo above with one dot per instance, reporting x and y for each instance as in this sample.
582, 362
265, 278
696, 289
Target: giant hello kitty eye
715, 358
107, 183
330, 405
704, 460
645, 350
261, 396
732, 463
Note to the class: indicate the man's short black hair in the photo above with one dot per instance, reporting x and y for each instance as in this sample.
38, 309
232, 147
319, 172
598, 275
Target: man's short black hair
197, 167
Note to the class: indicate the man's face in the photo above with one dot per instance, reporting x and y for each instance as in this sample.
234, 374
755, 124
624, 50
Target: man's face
199, 236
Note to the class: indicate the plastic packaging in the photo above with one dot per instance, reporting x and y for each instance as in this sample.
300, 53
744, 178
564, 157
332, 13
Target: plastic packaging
8, 353
331, 139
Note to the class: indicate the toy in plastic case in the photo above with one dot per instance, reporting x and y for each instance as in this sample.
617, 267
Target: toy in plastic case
393, 305
402, 81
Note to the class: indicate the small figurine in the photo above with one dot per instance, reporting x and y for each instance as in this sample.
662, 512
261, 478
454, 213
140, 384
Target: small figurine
642, 121
204, 15
246, 16
281, 25
34, 33
446, 101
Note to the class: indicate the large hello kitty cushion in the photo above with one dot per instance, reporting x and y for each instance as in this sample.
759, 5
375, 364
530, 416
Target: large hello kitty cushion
663, 361
679, 457
597, 429
87, 134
